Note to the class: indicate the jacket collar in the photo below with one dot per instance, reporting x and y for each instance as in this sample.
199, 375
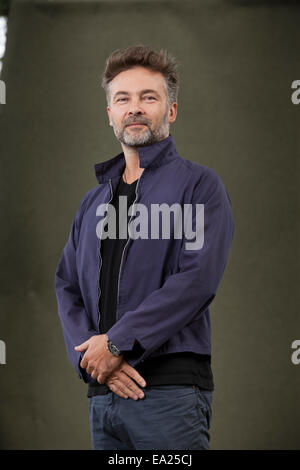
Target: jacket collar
151, 156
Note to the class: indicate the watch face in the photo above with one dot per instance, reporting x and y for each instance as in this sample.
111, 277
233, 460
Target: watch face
113, 349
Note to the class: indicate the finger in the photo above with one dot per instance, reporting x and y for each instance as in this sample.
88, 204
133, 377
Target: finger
128, 386
90, 369
134, 374
101, 379
82, 347
117, 390
84, 363
94, 374
121, 387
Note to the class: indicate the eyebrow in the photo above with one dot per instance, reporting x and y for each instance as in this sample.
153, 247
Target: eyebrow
142, 92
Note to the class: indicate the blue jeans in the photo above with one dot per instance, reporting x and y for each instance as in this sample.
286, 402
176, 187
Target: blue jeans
168, 417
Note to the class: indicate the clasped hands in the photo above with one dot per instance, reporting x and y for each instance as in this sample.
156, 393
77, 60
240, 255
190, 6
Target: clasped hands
114, 371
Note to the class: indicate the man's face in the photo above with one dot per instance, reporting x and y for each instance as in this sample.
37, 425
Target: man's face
138, 110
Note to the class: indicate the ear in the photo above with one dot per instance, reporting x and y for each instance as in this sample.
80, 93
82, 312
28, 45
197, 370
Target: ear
109, 115
173, 112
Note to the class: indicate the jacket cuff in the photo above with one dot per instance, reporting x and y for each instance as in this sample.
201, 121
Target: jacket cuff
123, 340
133, 351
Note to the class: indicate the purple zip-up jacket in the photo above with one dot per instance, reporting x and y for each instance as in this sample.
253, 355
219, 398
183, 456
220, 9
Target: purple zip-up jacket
164, 289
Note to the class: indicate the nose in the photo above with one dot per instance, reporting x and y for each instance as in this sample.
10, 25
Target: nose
135, 108
136, 112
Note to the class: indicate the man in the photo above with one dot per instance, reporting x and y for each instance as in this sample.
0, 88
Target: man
134, 307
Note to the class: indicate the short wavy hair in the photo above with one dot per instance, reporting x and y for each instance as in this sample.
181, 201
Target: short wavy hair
140, 55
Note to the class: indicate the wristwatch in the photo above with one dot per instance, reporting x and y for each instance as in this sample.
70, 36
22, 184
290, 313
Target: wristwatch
112, 348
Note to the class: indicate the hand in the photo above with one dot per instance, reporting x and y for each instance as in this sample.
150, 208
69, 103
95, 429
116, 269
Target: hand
98, 360
119, 381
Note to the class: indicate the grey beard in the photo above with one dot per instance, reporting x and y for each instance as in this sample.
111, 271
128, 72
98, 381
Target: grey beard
147, 137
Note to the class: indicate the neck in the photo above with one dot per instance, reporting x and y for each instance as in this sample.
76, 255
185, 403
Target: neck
132, 169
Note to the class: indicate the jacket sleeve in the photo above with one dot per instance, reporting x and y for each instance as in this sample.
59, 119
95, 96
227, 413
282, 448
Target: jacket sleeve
187, 293
76, 324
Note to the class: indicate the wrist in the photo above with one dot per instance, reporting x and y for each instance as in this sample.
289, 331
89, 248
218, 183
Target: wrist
113, 349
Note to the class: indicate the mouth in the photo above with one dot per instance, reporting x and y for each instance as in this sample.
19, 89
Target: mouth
135, 125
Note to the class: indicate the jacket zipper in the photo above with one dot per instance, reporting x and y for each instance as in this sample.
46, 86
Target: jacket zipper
136, 196
99, 288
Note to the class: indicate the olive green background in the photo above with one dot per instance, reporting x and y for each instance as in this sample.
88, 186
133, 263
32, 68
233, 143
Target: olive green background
235, 114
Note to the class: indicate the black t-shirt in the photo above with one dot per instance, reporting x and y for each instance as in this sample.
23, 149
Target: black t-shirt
169, 369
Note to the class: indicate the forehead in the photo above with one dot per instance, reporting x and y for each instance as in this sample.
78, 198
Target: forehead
137, 79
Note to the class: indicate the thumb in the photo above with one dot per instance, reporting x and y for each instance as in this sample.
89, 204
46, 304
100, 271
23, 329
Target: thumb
82, 346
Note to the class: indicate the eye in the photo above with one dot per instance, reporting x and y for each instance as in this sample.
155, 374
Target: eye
121, 99
149, 97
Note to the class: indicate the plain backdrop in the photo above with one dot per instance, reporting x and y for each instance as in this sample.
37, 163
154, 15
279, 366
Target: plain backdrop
235, 115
